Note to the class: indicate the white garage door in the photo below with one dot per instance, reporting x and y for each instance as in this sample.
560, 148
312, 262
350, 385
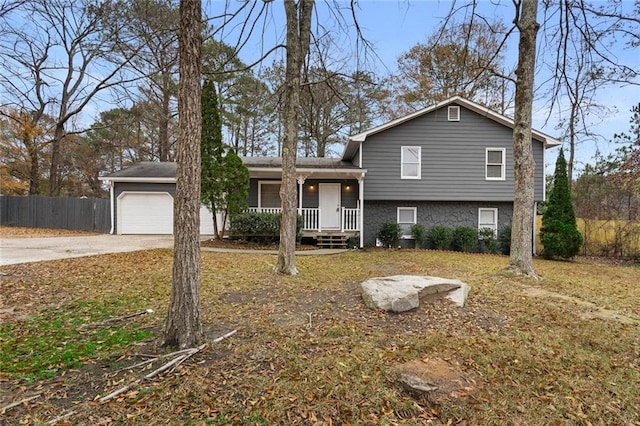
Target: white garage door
145, 213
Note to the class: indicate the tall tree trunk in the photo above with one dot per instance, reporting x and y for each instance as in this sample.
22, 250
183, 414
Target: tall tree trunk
164, 119
34, 166
54, 172
298, 40
572, 142
184, 326
521, 259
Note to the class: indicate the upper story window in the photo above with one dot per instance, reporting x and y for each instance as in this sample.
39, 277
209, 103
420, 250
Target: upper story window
488, 219
453, 113
406, 218
495, 164
411, 158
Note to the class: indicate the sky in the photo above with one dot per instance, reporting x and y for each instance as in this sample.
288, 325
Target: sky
394, 26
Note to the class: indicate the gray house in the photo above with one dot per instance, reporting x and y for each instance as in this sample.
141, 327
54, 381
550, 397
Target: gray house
449, 164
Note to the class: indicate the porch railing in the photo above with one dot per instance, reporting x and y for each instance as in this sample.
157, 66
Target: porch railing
350, 219
311, 217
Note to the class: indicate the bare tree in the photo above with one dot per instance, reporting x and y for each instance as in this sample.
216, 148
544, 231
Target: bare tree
521, 258
579, 42
184, 326
62, 62
298, 41
153, 26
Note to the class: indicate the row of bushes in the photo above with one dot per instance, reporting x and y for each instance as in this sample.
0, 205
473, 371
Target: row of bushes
260, 227
461, 238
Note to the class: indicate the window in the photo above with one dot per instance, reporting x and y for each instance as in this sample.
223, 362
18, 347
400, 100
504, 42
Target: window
495, 164
406, 218
411, 157
453, 113
269, 194
488, 219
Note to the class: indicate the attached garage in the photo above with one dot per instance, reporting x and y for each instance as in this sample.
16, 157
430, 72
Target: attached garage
142, 200
145, 213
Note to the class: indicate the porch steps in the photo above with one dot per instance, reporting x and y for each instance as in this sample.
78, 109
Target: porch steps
332, 241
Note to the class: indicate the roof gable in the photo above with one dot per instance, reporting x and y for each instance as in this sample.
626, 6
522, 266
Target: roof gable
354, 141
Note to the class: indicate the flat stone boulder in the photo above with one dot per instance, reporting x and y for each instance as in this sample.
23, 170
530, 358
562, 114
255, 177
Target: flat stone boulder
401, 293
439, 379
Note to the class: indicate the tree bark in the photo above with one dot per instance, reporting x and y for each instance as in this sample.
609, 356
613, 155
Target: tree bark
521, 258
164, 118
184, 328
298, 40
54, 172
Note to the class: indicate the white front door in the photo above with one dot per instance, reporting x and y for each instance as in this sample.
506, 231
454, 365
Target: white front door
330, 205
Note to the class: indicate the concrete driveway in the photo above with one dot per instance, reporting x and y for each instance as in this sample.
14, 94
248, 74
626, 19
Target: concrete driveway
24, 250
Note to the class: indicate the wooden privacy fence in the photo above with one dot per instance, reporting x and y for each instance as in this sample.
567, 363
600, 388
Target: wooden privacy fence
610, 238
85, 214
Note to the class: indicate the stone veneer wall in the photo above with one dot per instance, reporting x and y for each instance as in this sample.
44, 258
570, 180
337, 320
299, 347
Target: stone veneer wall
430, 214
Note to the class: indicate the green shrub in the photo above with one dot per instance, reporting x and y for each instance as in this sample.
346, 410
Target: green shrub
439, 237
389, 234
263, 227
353, 242
465, 239
487, 242
419, 234
560, 240
559, 233
504, 238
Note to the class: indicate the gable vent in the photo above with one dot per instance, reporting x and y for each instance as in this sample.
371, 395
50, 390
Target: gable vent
454, 113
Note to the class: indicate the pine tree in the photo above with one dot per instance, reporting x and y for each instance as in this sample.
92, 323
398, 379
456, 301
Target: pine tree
212, 151
559, 234
225, 179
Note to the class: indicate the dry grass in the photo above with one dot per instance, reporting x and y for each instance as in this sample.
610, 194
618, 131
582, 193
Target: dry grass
309, 352
22, 232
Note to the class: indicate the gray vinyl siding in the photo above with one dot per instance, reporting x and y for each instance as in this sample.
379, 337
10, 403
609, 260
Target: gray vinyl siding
452, 160
349, 197
121, 187
430, 214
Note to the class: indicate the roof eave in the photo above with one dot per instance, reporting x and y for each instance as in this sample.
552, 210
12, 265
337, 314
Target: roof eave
138, 179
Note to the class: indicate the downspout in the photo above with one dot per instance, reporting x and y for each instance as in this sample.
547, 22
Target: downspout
535, 231
112, 204
361, 200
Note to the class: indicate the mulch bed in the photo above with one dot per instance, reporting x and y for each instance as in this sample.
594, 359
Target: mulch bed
248, 245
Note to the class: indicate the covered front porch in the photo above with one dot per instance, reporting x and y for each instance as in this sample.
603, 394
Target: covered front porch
330, 194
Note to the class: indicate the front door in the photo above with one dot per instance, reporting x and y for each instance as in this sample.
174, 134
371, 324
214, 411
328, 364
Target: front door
330, 205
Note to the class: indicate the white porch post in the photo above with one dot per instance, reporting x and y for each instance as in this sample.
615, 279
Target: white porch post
361, 205
301, 180
112, 205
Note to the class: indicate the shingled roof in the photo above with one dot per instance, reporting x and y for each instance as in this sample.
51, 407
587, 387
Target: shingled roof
150, 171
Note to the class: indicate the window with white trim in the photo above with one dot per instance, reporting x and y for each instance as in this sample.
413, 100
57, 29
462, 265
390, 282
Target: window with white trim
411, 161
495, 164
406, 218
488, 219
453, 113
269, 194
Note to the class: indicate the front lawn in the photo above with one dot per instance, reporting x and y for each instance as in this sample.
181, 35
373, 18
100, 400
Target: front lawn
564, 350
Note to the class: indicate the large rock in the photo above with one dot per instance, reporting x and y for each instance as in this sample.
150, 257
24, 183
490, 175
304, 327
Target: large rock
400, 293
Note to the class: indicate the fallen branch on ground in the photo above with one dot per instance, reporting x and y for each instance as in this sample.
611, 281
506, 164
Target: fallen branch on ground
116, 319
181, 357
15, 404
62, 417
